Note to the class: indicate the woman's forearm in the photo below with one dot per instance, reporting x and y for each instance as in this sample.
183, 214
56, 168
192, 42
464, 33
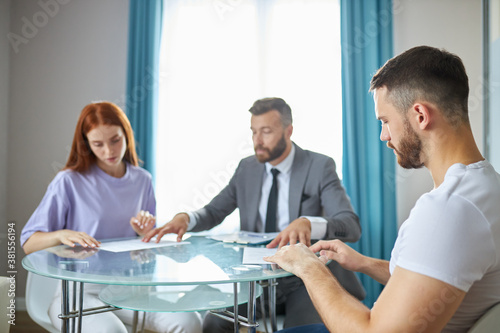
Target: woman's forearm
41, 240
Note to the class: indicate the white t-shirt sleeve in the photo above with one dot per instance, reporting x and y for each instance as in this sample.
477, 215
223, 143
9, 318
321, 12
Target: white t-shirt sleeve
446, 238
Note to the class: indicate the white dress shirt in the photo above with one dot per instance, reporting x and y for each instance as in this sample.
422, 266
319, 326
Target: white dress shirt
318, 223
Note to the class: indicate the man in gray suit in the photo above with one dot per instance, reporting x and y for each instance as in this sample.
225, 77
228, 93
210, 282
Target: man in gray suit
302, 200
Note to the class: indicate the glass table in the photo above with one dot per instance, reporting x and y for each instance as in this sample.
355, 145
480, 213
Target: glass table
183, 277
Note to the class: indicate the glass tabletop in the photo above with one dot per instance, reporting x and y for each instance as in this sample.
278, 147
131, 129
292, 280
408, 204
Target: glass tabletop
197, 261
176, 298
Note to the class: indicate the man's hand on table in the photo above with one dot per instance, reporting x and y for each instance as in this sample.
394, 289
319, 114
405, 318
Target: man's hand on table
178, 225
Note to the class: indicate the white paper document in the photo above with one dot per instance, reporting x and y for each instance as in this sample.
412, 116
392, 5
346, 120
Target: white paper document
138, 244
246, 237
255, 255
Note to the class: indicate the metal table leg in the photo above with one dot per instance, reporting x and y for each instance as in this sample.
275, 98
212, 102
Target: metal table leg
73, 307
251, 321
80, 310
68, 316
143, 321
135, 321
252, 307
65, 306
236, 321
272, 304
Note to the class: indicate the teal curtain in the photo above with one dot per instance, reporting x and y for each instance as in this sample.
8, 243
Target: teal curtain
368, 165
143, 75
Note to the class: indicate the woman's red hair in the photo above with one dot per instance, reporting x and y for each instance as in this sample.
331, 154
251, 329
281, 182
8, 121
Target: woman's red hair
81, 156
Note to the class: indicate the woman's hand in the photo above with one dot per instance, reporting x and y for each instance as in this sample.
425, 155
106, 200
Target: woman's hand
72, 238
42, 240
143, 222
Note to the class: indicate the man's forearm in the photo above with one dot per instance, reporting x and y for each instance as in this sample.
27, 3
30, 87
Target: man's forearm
377, 269
339, 310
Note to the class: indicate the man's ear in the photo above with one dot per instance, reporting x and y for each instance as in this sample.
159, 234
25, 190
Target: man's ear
289, 130
421, 114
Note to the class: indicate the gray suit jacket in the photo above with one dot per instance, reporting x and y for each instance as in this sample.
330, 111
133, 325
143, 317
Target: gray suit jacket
315, 190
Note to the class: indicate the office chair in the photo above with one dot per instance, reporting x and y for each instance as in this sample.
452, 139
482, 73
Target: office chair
40, 291
489, 322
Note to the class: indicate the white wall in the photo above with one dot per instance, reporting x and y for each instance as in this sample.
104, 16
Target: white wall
75, 56
454, 25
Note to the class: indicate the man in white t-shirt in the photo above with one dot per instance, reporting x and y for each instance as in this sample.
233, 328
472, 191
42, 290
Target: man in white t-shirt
444, 271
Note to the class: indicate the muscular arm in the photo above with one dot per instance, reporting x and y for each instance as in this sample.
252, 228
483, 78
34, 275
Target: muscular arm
408, 303
377, 269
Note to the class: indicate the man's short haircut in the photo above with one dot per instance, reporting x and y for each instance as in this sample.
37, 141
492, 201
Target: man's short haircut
427, 74
264, 105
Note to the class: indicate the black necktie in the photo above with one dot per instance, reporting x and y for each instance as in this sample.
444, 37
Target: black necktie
272, 203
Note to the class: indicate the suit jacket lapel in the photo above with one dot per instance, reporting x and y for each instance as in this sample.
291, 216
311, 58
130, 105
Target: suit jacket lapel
298, 178
254, 191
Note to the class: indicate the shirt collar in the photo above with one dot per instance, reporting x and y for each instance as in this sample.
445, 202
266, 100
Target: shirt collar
285, 166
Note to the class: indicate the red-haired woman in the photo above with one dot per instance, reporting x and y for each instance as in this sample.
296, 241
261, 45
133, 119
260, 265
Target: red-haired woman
101, 193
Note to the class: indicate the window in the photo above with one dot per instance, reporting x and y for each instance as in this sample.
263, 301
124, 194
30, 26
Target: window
217, 58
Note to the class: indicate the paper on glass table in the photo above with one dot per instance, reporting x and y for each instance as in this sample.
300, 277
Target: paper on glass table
138, 244
255, 255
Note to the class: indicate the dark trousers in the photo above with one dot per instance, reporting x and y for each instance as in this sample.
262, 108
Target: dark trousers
292, 300
314, 328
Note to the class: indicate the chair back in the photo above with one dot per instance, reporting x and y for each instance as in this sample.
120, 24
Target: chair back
40, 292
489, 322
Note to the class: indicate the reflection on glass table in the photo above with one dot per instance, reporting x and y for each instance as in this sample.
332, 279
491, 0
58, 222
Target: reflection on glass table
176, 298
195, 262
